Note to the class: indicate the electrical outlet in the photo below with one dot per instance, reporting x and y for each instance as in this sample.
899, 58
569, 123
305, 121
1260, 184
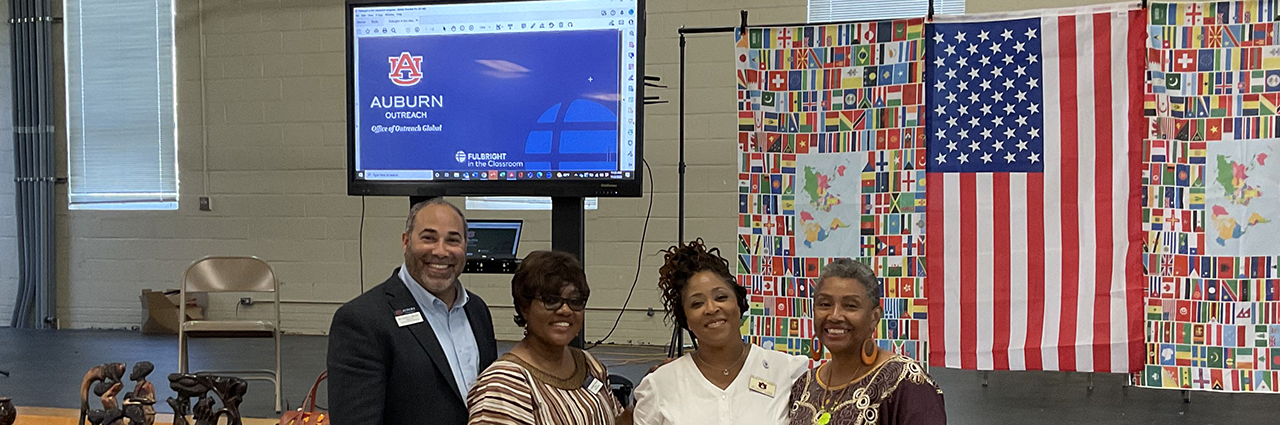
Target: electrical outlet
246, 301
206, 204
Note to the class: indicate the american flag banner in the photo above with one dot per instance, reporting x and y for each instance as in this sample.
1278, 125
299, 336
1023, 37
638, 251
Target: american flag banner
1210, 210
1034, 129
831, 164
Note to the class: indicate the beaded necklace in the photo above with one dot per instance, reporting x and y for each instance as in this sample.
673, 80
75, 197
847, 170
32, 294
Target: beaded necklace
827, 402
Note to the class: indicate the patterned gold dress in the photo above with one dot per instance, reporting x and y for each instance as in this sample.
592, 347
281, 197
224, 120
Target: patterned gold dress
896, 392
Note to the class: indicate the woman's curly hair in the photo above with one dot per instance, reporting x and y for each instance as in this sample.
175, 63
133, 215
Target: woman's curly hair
683, 261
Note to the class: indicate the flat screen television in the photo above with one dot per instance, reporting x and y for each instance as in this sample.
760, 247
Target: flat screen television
531, 97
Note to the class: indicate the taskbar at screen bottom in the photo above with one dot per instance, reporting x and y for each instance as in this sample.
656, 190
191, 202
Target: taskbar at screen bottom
421, 175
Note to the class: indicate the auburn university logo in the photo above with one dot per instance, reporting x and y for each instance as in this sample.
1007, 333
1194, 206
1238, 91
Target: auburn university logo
406, 69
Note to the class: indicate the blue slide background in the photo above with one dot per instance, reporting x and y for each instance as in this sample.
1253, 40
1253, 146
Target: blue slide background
550, 117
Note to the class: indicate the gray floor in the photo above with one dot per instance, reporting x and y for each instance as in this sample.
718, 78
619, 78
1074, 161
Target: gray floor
47, 366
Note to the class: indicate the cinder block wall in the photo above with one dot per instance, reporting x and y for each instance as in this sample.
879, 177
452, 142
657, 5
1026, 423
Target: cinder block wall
8, 223
275, 110
274, 121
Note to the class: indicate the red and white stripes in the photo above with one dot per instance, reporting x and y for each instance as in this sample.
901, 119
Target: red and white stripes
1042, 271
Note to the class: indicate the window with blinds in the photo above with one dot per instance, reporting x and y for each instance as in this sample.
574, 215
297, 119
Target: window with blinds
121, 125
865, 10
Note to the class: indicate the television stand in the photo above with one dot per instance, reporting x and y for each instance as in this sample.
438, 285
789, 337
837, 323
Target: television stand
568, 228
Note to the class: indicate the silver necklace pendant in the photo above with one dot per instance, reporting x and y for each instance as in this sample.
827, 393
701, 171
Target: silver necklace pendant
698, 357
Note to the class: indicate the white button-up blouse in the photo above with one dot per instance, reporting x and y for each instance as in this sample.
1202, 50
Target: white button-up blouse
677, 393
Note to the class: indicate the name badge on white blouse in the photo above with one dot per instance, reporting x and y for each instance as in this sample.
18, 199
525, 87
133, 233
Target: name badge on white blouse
762, 386
408, 316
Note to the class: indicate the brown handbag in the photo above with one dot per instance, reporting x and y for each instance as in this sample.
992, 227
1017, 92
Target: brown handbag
307, 413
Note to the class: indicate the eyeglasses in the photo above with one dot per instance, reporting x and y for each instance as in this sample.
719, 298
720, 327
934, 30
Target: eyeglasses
553, 302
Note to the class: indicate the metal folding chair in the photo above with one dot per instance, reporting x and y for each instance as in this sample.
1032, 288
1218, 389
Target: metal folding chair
232, 274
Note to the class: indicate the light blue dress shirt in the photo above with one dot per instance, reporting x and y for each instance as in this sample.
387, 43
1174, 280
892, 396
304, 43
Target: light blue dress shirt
452, 329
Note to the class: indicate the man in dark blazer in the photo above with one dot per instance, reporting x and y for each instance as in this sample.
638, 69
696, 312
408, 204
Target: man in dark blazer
407, 351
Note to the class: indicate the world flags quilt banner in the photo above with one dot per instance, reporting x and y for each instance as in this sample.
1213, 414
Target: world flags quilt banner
1210, 200
1034, 135
831, 164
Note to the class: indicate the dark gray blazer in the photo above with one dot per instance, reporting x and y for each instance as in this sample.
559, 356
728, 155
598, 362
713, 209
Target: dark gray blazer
381, 373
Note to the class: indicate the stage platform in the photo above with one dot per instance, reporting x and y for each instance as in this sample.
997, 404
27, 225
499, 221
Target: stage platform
47, 366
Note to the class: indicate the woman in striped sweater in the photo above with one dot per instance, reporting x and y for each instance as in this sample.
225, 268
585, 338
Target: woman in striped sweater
542, 380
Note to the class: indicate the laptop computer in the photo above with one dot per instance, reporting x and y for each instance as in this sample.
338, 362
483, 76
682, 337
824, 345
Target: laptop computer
493, 239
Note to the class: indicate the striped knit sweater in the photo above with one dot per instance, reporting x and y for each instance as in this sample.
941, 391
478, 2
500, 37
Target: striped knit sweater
512, 392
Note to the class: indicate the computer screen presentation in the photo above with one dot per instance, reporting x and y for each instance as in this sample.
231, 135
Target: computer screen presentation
495, 92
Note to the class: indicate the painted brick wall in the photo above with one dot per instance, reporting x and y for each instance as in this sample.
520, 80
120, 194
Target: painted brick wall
8, 223
274, 115
274, 77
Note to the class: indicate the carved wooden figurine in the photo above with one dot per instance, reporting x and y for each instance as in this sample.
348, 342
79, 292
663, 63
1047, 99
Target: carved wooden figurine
105, 376
187, 387
229, 390
144, 393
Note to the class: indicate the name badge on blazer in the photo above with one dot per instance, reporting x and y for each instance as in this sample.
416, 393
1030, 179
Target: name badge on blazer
762, 386
408, 316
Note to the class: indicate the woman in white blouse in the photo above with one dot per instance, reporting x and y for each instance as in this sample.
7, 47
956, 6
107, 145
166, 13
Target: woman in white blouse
726, 381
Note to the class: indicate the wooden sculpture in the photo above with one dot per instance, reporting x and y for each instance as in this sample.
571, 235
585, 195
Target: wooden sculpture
105, 376
144, 392
107, 382
7, 412
228, 389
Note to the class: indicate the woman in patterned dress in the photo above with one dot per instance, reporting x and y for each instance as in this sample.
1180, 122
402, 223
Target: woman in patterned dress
861, 384
542, 380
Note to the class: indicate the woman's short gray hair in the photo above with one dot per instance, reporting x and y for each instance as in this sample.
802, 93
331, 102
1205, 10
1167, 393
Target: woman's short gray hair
847, 268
